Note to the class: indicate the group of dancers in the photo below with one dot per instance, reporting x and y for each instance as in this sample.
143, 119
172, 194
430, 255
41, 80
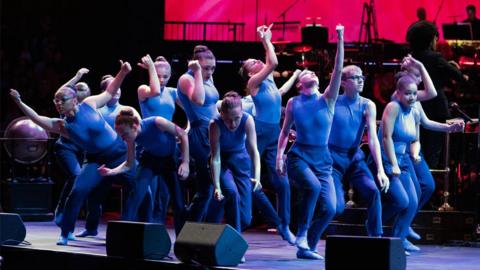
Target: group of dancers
102, 142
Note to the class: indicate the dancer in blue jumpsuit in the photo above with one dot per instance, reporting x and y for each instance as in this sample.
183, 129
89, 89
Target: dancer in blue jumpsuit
198, 96
69, 156
400, 130
419, 170
267, 99
353, 113
95, 200
157, 99
156, 135
309, 162
86, 128
233, 150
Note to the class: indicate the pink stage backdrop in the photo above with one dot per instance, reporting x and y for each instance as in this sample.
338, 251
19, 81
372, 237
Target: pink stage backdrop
393, 16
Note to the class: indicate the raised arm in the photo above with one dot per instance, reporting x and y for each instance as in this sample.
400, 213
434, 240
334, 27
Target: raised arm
283, 138
289, 83
153, 89
193, 88
374, 145
71, 83
271, 61
253, 151
169, 127
388, 122
429, 92
49, 124
98, 101
215, 160
331, 93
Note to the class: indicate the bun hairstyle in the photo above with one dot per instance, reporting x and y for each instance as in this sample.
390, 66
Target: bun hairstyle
230, 101
127, 116
161, 61
202, 52
404, 80
105, 81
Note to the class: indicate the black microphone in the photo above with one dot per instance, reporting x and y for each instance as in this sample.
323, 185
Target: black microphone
454, 106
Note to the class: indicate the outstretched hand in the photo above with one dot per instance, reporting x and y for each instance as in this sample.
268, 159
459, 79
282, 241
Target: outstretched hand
217, 195
194, 65
82, 72
125, 67
184, 170
146, 62
340, 30
410, 62
265, 32
15, 95
104, 171
383, 181
257, 185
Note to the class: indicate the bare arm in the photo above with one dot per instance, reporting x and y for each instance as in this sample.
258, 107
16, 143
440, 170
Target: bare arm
374, 145
71, 83
98, 101
153, 89
437, 126
331, 93
253, 151
283, 138
215, 160
388, 121
49, 124
169, 127
124, 166
271, 61
193, 88
288, 84
429, 92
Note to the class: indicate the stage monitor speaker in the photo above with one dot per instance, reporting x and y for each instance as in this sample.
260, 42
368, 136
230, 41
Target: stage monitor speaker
361, 252
316, 36
137, 240
210, 244
12, 229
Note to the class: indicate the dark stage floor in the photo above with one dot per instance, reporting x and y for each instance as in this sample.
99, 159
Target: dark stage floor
266, 251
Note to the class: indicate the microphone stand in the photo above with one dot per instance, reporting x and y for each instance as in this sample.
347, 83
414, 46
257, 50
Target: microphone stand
283, 14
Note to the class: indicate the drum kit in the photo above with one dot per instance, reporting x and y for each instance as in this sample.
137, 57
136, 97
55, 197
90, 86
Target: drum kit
305, 56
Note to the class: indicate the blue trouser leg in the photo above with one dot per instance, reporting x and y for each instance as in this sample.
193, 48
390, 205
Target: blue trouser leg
405, 217
356, 172
326, 203
426, 181
396, 199
267, 135
70, 161
88, 179
362, 181
310, 167
237, 189
161, 200
200, 150
169, 179
263, 204
136, 196
402, 200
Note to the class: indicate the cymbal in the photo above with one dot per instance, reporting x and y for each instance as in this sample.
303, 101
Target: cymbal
304, 48
306, 63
